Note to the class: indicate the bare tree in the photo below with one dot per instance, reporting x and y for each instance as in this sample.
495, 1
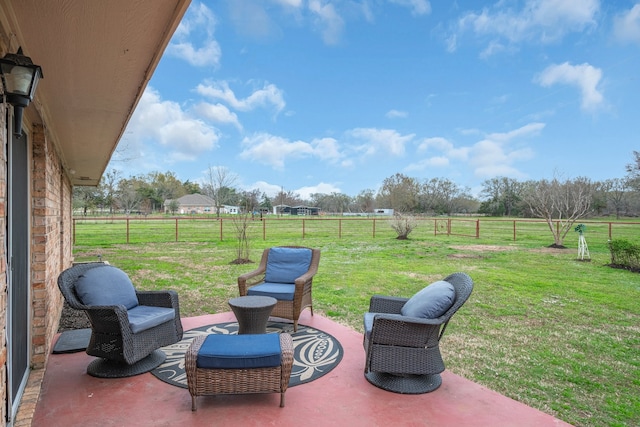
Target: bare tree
399, 192
561, 204
242, 222
633, 171
501, 195
365, 201
218, 178
109, 187
617, 194
128, 197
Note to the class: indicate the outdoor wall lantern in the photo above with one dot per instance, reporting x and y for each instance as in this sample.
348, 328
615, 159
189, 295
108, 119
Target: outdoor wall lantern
19, 80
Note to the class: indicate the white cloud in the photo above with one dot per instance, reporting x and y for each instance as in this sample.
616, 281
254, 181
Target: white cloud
290, 3
380, 140
322, 188
584, 76
542, 21
269, 94
444, 147
273, 150
328, 20
626, 26
494, 155
418, 7
199, 23
269, 189
217, 113
530, 129
326, 149
490, 159
431, 162
396, 114
166, 123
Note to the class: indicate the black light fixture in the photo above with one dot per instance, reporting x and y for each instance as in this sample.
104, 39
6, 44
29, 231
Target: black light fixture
19, 80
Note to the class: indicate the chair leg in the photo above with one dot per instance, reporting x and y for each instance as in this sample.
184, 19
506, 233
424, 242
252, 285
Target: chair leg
282, 400
193, 403
295, 326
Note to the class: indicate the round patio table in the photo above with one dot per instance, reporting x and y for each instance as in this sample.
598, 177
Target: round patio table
252, 312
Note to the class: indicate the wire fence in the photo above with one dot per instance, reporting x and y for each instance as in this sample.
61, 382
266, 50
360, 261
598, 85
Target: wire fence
112, 230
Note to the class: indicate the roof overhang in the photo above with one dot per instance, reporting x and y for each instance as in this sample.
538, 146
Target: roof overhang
97, 57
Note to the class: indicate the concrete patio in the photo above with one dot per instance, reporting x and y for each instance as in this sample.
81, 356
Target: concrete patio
343, 397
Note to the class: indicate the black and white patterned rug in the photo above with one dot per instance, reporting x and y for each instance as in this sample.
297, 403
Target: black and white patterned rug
315, 352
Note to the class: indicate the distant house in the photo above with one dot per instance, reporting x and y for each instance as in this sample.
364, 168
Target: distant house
295, 210
383, 212
192, 204
282, 210
233, 210
305, 210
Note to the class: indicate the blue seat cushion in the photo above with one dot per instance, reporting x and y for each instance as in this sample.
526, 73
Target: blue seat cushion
143, 317
239, 351
279, 291
431, 302
285, 265
106, 285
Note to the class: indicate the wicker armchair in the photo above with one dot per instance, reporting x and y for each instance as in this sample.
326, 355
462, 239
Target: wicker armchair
122, 352
403, 353
290, 286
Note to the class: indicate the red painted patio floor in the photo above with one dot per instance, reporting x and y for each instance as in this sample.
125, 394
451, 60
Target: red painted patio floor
343, 397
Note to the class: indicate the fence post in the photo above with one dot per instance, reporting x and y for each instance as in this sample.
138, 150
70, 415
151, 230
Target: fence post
609, 231
477, 228
176, 229
264, 228
73, 230
220, 219
303, 228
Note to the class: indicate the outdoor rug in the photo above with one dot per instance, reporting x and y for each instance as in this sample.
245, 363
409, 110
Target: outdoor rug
315, 352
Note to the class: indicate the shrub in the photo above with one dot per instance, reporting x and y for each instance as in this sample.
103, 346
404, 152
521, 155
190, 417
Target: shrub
403, 225
625, 253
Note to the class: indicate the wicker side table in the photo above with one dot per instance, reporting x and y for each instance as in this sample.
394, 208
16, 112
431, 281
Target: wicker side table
252, 313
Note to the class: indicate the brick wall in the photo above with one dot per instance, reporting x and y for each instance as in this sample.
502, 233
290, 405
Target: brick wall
51, 242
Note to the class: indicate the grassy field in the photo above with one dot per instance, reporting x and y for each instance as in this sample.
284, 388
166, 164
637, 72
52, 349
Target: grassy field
541, 327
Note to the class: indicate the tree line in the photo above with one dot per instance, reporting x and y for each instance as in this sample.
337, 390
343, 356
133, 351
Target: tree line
556, 198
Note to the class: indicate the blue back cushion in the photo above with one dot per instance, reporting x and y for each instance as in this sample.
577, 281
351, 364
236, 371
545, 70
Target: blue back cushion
285, 265
431, 302
106, 285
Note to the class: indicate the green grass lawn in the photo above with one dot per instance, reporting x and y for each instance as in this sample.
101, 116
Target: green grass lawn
541, 327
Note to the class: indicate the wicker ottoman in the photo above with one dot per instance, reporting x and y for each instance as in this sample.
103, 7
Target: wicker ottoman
239, 364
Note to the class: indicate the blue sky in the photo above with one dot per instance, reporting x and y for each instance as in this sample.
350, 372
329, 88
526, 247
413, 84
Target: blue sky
319, 96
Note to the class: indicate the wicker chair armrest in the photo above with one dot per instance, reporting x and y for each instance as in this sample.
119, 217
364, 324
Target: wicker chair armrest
246, 280
386, 304
395, 329
108, 318
167, 299
305, 278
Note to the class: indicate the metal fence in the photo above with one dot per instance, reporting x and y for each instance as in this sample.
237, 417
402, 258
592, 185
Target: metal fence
104, 231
